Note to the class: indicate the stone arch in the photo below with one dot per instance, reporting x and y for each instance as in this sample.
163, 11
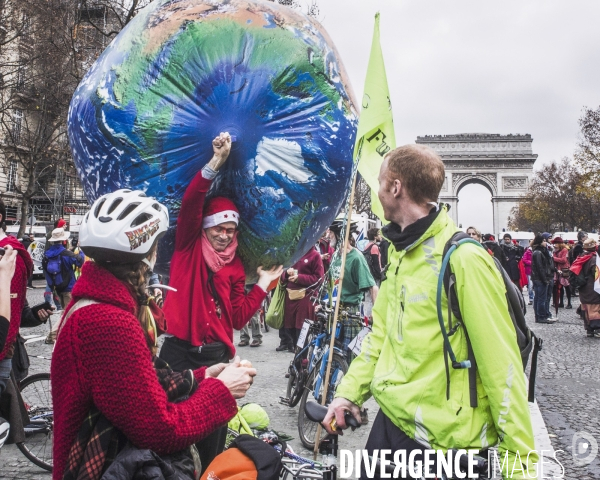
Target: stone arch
489, 181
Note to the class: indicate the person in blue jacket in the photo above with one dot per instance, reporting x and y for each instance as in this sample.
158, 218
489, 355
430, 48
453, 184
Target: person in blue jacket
59, 269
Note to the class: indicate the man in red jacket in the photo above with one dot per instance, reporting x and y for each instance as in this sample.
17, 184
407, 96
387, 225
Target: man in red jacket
210, 300
18, 291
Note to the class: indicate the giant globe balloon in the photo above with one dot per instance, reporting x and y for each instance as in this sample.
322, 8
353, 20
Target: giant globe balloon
181, 72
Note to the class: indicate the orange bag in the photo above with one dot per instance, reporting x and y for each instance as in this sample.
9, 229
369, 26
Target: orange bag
248, 458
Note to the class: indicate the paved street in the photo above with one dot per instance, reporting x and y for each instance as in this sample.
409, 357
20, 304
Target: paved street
568, 393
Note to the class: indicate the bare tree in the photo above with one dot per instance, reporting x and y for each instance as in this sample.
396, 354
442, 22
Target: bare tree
362, 196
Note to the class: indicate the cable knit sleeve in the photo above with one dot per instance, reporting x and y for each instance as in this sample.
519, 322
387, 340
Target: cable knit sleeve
117, 368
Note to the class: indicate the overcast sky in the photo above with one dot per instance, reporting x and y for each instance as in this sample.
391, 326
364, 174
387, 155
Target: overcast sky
458, 66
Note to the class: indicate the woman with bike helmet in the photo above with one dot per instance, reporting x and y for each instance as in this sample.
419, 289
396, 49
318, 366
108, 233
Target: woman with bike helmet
104, 368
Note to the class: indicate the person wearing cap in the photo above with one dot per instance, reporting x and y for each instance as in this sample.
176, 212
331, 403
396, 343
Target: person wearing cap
49, 295
561, 276
542, 273
583, 275
209, 277
69, 259
66, 262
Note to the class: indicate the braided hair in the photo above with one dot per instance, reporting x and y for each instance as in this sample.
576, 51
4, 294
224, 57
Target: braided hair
136, 276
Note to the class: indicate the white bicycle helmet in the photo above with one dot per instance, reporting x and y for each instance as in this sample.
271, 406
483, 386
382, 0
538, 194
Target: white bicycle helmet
123, 226
4, 431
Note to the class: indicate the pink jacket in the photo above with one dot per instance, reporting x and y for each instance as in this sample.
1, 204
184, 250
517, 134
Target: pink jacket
527, 260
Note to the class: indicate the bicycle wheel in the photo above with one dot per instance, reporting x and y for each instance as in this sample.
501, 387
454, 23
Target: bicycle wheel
307, 430
295, 386
37, 398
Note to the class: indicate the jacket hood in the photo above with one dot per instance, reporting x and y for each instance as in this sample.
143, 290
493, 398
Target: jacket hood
97, 283
21, 250
403, 239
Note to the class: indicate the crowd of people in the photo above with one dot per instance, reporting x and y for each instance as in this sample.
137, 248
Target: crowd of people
120, 400
545, 269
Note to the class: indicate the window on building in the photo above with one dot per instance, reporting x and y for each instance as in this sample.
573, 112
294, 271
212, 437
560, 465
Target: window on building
11, 178
17, 124
20, 79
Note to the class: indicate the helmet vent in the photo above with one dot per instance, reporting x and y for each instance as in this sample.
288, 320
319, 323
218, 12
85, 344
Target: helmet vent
130, 208
98, 207
156, 207
105, 219
141, 218
114, 205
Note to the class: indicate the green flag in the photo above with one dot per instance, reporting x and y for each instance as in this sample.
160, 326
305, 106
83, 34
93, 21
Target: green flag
375, 136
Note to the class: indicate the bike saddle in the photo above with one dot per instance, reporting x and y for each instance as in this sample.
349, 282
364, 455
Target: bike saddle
317, 413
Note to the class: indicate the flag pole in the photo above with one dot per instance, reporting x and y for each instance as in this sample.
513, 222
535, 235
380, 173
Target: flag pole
337, 308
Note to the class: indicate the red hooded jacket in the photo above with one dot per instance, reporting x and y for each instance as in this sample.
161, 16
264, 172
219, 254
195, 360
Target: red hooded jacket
18, 289
190, 311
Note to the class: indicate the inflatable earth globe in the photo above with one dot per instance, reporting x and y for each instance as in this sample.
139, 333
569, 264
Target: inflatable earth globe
181, 72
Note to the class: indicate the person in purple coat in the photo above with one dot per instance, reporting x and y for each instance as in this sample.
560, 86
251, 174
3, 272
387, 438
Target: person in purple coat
302, 282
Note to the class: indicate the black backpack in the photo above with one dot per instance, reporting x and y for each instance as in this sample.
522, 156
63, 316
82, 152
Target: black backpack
526, 339
369, 258
58, 271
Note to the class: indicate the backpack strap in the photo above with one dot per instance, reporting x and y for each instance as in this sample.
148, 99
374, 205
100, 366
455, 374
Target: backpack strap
446, 282
537, 346
83, 302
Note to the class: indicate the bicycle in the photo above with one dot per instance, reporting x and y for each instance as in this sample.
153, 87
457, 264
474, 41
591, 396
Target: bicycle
35, 391
307, 370
37, 398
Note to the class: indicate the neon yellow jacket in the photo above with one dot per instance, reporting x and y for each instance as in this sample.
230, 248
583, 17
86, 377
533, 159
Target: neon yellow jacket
402, 360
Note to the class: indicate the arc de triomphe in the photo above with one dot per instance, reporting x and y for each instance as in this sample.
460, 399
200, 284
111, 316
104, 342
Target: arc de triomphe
501, 163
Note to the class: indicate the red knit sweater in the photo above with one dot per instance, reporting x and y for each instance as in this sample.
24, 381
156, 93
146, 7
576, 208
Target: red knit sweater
191, 309
18, 289
101, 358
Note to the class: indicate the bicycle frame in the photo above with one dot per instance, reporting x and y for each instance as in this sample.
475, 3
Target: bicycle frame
322, 370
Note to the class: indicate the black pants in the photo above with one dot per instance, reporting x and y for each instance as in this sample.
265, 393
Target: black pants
289, 336
181, 355
387, 436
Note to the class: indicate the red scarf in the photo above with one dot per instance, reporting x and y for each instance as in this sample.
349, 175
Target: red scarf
217, 260
580, 262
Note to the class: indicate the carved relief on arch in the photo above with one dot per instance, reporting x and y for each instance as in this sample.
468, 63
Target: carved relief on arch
491, 179
515, 183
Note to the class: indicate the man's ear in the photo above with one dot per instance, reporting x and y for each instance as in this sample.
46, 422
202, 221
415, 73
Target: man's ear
397, 188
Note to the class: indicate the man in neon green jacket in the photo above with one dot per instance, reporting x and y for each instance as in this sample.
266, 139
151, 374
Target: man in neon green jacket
402, 360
